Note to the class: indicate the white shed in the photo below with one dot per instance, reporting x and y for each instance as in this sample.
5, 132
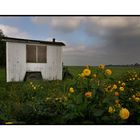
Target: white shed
25, 56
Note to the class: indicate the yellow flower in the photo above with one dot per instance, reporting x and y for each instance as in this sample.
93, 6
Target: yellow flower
71, 90
31, 83
111, 109
94, 75
108, 72
82, 75
124, 113
87, 72
133, 96
121, 88
114, 86
9, 123
133, 78
108, 89
34, 88
138, 94
57, 99
137, 99
135, 75
119, 82
88, 94
123, 84
48, 98
101, 66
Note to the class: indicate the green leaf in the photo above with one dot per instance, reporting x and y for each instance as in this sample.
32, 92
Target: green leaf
106, 118
98, 112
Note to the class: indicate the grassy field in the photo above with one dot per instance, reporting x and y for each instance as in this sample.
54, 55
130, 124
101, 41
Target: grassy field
56, 88
117, 71
75, 70
17, 99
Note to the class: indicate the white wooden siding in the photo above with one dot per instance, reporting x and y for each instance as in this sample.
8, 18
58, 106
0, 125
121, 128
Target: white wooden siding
16, 61
17, 66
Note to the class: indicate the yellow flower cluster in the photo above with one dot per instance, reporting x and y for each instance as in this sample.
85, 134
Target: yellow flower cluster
122, 86
115, 88
123, 113
35, 86
111, 88
135, 97
59, 99
117, 103
132, 75
87, 72
108, 72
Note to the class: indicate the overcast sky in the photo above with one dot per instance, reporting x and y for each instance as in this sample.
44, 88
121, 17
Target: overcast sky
89, 39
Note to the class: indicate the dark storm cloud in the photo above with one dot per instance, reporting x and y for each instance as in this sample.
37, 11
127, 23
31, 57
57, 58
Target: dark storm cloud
121, 40
115, 39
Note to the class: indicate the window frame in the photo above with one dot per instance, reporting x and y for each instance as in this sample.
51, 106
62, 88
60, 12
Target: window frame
36, 52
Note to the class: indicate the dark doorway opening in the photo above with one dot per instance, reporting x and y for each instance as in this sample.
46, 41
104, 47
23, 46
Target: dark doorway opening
33, 76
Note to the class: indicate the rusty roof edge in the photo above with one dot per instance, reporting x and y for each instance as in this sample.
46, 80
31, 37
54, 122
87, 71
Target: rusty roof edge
20, 40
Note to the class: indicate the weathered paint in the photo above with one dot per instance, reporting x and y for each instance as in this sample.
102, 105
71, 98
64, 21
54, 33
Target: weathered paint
16, 61
17, 66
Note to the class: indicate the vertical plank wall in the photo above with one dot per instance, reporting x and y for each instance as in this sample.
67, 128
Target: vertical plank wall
15, 61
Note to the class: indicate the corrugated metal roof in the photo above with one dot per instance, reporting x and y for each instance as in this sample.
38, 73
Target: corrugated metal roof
20, 40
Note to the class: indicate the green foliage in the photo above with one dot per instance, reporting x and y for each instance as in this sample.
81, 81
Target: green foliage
92, 102
50, 102
66, 73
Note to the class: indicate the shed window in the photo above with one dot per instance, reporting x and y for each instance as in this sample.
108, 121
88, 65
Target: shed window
36, 54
